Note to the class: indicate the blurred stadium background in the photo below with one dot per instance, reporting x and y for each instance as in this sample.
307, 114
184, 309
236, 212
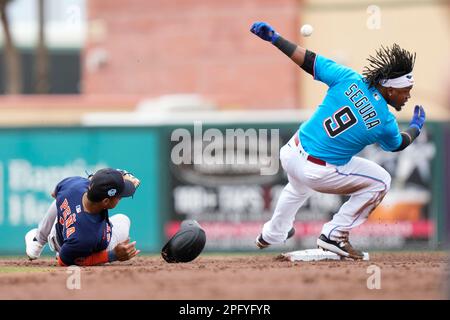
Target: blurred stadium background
91, 83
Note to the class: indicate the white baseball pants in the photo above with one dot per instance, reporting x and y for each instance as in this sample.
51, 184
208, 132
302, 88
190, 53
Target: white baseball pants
365, 181
46, 232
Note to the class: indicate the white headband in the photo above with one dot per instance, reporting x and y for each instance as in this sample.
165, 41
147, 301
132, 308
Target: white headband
404, 81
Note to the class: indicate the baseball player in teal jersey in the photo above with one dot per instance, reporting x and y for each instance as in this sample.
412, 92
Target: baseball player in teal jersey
321, 155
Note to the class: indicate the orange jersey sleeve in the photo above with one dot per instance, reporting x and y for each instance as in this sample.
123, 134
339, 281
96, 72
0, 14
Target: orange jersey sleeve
92, 260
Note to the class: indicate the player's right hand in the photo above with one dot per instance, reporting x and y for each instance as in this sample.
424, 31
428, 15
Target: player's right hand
133, 179
418, 118
264, 31
126, 250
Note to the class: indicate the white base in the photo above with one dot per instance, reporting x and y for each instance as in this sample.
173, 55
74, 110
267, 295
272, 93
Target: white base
316, 255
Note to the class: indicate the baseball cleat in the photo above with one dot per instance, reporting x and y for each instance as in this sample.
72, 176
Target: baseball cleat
261, 243
33, 247
342, 248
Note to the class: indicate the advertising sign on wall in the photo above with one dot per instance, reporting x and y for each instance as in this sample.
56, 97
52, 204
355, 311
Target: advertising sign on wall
232, 200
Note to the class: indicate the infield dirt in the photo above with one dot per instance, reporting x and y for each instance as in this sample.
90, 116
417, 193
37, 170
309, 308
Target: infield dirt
413, 275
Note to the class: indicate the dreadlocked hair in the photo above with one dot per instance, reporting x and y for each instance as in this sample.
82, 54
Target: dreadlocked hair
388, 63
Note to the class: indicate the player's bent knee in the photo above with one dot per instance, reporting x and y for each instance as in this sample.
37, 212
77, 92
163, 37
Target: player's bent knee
120, 228
122, 218
387, 182
385, 178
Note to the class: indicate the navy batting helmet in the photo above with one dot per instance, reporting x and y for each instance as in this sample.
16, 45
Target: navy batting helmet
186, 244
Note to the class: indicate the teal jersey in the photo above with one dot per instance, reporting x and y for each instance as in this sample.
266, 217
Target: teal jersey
350, 117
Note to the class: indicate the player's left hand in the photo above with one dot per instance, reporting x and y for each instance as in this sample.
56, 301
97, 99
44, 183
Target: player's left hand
418, 118
264, 31
133, 179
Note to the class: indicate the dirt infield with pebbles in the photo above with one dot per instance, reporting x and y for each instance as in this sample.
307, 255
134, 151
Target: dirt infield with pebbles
413, 275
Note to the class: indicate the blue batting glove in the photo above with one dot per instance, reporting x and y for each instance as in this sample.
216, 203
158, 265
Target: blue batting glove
264, 31
418, 118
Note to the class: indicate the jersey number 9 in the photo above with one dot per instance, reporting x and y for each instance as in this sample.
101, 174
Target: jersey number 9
341, 120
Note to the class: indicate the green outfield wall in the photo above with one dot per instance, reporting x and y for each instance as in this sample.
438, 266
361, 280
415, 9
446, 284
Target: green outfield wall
33, 160
230, 201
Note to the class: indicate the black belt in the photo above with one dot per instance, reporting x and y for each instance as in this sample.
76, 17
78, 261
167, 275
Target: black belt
309, 157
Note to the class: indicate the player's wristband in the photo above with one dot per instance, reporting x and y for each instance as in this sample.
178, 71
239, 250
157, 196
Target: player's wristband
308, 64
111, 256
285, 46
408, 136
413, 132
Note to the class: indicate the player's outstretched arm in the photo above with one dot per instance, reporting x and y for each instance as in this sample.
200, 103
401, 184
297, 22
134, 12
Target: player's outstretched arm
415, 127
122, 252
302, 57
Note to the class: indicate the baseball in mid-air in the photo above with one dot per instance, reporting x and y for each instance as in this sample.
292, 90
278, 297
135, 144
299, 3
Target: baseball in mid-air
306, 30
